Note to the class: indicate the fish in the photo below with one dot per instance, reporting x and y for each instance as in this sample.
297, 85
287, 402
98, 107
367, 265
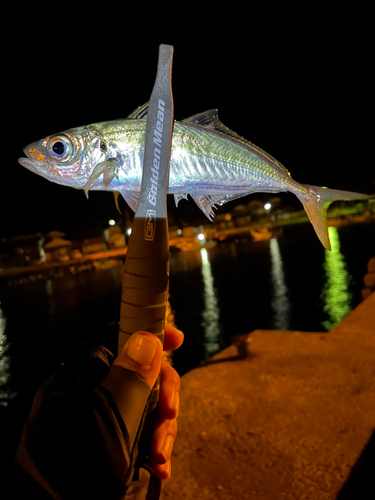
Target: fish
208, 161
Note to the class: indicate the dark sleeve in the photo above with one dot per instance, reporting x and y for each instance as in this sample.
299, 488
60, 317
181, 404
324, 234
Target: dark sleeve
19, 485
76, 441
73, 441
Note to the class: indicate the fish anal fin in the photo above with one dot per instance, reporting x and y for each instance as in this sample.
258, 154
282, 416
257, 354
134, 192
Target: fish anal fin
179, 197
207, 202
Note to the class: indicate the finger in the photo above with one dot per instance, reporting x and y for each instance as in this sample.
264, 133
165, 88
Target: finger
173, 338
162, 471
142, 354
169, 395
162, 441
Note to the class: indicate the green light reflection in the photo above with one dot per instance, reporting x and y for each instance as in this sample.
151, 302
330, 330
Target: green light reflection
335, 294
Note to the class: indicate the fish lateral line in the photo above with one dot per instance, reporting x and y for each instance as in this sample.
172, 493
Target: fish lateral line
232, 163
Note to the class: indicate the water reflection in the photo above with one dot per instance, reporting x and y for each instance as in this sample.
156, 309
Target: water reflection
336, 295
51, 297
280, 301
211, 311
5, 393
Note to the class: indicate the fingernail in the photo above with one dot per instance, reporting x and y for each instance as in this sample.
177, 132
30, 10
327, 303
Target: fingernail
141, 349
167, 447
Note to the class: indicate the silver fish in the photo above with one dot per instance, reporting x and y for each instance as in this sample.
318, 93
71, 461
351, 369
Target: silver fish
208, 161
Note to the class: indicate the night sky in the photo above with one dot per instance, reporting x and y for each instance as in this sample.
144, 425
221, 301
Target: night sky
301, 87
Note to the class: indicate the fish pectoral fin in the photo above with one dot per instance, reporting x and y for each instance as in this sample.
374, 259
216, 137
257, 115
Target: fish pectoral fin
140, 112
179, 197
131, 199
108, 177
207, 202
105, 167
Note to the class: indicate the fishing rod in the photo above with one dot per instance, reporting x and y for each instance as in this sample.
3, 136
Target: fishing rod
146, 273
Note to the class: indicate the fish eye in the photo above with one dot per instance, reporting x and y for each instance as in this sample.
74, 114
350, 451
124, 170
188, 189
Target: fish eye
60, 147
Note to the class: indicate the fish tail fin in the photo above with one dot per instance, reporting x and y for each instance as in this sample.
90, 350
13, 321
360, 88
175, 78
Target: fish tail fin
316, 203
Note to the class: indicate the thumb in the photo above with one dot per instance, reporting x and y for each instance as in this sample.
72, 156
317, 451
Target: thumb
132, 376
142, 354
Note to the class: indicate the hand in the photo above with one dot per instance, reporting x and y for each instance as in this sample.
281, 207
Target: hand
143, 354
79, 438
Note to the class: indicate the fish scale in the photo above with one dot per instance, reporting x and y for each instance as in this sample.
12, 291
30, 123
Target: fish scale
208, 161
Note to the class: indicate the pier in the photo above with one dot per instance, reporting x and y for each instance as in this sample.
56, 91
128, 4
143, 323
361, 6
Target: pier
289, 415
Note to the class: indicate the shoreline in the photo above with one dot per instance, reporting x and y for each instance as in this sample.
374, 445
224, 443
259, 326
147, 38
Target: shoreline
213, 235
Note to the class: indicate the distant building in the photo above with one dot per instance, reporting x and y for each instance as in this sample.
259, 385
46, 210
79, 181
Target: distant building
93, 245
114, 237
20, 251
58, 248
89, 241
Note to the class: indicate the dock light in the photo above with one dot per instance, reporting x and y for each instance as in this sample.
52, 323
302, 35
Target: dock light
111, 222
267, 206
200, 236
129, 231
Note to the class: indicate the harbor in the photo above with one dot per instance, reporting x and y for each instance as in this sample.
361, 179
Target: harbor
37, 254
220, 290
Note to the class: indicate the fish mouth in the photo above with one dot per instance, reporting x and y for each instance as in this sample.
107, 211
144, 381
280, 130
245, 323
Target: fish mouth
31, 163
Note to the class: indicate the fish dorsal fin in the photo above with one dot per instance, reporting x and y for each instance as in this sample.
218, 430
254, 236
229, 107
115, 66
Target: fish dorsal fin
131, 199
140, 112
207, 202
204, 119
210, 119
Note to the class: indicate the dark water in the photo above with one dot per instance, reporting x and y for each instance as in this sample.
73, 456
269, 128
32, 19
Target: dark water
234, 288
